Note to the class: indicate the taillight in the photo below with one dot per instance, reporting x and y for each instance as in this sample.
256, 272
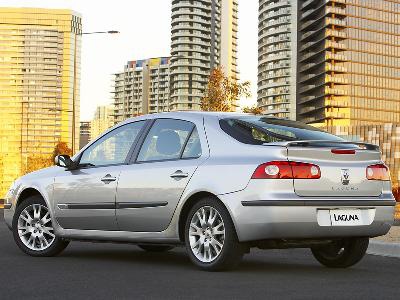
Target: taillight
286, 170
378, 172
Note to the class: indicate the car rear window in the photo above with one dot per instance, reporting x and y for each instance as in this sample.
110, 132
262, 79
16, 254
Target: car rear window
257, 130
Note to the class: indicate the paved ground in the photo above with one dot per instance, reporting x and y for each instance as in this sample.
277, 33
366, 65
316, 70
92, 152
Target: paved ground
106, 271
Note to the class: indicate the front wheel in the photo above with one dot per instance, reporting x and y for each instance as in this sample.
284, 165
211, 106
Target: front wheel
342, 253
33, 229
210, 236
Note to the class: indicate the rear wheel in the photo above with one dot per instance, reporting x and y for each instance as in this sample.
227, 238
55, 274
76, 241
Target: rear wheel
343, 253
33, 229
156, 248
210, 237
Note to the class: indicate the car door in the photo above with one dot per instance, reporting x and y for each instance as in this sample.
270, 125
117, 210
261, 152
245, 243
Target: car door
85, 197
150, 188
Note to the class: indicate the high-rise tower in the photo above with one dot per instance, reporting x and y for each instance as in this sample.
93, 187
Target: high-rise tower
204, 35
39, 86
277, 39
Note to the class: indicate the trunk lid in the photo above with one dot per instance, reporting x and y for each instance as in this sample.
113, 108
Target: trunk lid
342, 175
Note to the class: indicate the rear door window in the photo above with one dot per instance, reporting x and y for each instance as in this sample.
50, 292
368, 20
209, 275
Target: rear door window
260, 130
166, 141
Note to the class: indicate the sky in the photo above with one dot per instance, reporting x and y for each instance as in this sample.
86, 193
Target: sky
145, 31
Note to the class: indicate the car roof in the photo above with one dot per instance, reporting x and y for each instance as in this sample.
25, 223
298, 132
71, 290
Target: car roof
177, 114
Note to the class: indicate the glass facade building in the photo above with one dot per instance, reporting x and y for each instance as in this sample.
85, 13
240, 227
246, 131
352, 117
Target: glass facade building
349, 62
39, 86
342, 56
204, 35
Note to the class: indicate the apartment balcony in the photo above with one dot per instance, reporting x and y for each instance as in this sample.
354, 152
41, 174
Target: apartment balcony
307, 34
274, 5
334, 91
309, 120
307, 55
276, 66
307, 3
336, 11
275, 23
334, 68
273, 40
308, 66
310, 98
274, 57
274, 31
336, 33
336, 103
280, 12
335, 45
337, 80
277, 75
336, 115
307, 24
336, 22
334, 56
307, 13
307, 109
307, 77
307, 88
306, 45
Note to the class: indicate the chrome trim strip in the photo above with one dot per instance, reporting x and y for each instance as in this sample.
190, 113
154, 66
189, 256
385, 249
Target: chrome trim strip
123, 205
323, 203
86, 206
7, 205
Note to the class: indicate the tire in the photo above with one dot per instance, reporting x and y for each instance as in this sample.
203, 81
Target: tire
156, 248
36, 240
342, 254
206, 235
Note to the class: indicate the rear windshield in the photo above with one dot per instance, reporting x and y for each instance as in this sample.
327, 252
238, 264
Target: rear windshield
258, 130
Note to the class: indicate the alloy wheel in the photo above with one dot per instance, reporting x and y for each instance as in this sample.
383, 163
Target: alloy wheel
35, 229
206, 234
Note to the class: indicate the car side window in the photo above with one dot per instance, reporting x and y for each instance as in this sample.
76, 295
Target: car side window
193, 146
112, 148
165, 140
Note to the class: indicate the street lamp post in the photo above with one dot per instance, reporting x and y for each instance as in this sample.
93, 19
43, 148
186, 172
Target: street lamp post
75, 81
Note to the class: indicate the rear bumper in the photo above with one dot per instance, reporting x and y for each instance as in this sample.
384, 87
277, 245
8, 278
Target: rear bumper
298, 218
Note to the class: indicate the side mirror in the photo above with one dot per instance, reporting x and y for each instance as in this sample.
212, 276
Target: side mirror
64, 161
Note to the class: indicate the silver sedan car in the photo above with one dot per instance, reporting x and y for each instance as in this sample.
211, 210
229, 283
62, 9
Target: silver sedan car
218, 183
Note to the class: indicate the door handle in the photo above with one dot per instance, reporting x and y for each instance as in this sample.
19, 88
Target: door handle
108, 178
179, 174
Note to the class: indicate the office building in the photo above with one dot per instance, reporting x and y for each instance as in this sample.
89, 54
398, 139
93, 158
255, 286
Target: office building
84, 134
143, 87
349, 69
103, 119
203, 36
347, 66
39, 86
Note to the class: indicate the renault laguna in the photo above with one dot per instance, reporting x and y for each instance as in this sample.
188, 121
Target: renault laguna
217, 183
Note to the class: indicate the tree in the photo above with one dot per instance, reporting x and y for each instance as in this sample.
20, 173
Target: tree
36, 162
61, 149
222, 92
253, 110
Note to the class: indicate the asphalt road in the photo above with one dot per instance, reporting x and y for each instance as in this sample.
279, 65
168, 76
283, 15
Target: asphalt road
108, 271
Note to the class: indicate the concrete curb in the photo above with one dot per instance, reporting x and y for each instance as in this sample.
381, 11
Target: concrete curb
384, 249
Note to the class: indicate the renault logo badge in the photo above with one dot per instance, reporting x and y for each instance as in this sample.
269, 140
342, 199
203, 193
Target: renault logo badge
345, 177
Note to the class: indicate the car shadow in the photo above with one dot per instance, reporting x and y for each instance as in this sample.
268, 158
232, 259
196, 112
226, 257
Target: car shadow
178, 259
